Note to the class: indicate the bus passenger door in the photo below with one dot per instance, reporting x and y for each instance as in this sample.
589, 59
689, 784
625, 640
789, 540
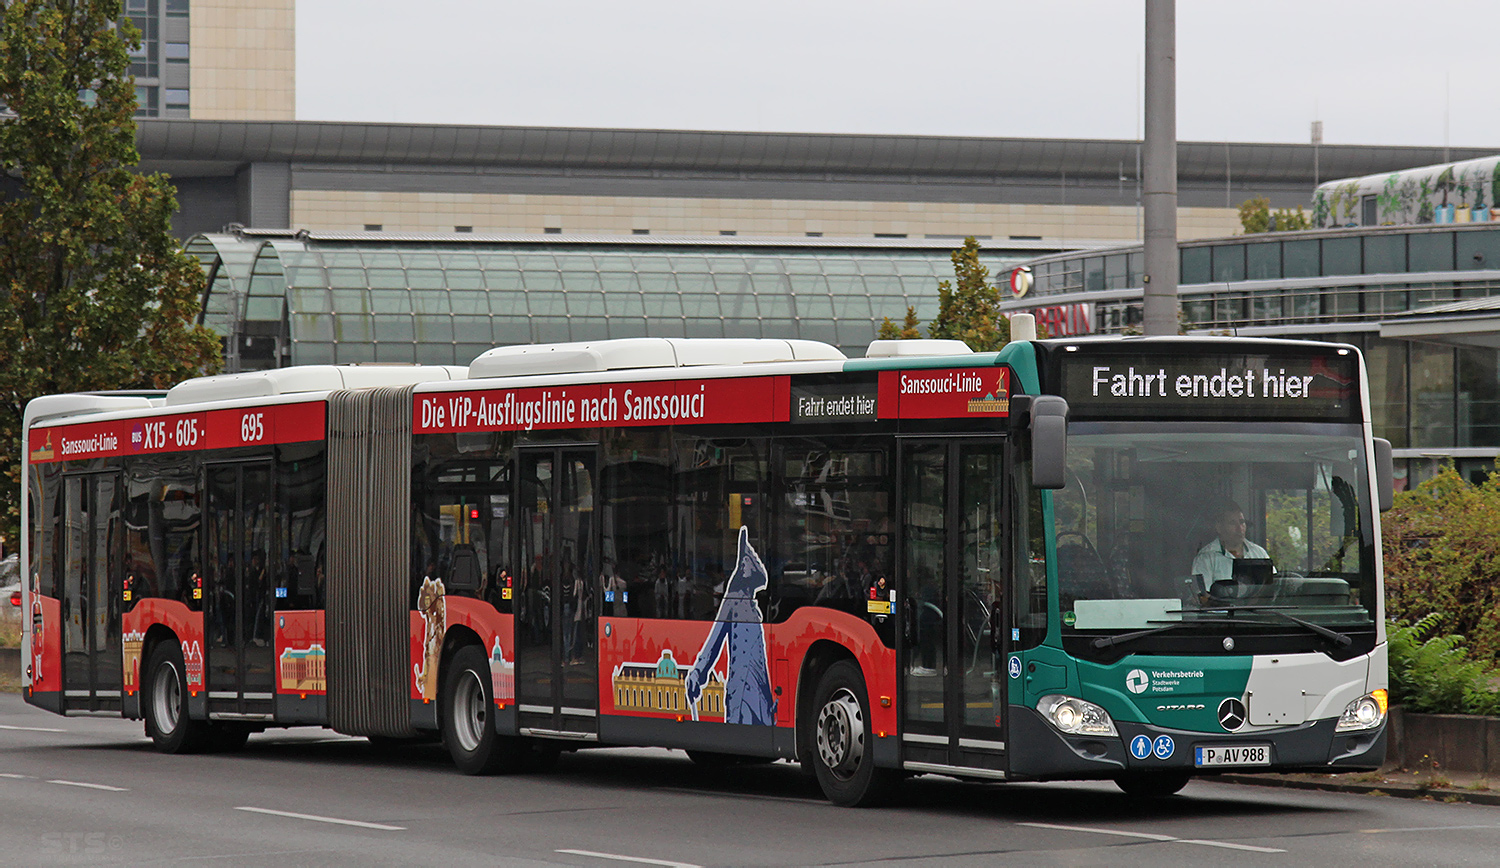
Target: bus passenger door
91, 592
557, 606
238, 606
952, 591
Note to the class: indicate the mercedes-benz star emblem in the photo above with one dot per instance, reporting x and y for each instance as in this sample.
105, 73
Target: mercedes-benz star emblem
1231, 714
1228, 643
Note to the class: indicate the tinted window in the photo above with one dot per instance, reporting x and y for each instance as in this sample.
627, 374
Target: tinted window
1195, 265
1341, 256
1229, 262
1385, 254
1431, 251
1263, 261
1299, 258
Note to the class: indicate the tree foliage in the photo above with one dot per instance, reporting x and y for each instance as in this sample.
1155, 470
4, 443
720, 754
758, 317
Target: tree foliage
1442, 554
95, 293
1256, 216
908, 330
970, 310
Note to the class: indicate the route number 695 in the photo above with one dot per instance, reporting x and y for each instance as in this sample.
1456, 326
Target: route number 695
252, 427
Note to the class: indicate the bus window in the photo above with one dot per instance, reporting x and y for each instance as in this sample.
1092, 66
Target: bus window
833, 534
463, 537
1158, 525
300, 524
719, 489
637, 486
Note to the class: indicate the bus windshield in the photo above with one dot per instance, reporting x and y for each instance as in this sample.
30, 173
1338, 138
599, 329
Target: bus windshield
1228, 529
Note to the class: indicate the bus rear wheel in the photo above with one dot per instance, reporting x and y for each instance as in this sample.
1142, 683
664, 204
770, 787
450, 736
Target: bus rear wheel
468, 717
167, 720
842, 745
1152, 785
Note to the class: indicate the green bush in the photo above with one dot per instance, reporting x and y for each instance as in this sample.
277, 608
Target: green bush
1433, 673
1442, 554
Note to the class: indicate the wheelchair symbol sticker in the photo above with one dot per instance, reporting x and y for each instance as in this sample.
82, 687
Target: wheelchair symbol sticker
1140, 747
1163, 747
1015, 667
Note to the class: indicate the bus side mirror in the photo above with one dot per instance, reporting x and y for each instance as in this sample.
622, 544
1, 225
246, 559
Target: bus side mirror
1385, 474
1049, 441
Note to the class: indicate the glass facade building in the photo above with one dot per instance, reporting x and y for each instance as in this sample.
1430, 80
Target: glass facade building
160, 63
1435, 392
293, 299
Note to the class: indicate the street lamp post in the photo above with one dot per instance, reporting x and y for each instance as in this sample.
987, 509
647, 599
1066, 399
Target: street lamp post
1161, 168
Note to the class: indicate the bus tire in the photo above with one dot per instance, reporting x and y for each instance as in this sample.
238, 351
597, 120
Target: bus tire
468, 717
1152, 785
166, 706
843, 746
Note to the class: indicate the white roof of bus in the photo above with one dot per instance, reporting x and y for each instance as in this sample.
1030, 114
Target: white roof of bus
589, 361
305, 378
260, 387
637, 353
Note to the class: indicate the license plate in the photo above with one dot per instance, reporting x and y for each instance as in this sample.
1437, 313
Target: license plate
1234, 755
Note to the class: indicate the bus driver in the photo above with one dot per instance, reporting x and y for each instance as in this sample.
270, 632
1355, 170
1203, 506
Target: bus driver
1215, 561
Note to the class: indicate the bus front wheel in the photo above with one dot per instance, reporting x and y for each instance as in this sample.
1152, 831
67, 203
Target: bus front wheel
468, 717
842, 745
167, 720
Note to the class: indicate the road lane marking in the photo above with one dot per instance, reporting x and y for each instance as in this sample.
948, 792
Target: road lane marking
618, 858
317, 819
31, 728
1429, 829
1229, 846
16, 776
1146, 835
1150, 836
105, 787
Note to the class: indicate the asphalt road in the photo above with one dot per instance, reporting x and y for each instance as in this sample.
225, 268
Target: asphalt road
92, 791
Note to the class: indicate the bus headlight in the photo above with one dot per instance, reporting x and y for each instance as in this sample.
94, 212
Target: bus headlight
1076, 717
1366, 712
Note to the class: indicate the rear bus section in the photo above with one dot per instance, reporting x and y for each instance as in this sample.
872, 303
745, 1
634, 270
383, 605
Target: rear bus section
176, 551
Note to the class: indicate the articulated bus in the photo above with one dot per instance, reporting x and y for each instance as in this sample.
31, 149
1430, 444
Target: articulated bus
1135, 559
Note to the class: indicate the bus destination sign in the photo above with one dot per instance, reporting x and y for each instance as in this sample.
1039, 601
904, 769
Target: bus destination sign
1209, 386
834, 403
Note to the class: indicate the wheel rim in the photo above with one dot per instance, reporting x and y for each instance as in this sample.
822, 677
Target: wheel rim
166, 697
469, 711
841, 734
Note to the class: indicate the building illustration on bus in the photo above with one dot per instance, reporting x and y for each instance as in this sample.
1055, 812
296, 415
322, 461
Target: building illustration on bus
923, 561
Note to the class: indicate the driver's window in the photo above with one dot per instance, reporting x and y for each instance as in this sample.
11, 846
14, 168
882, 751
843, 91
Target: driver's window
1312, 524
1081, 569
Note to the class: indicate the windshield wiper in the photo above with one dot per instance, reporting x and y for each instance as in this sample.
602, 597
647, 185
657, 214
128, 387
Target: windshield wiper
1340, 639
1107, 641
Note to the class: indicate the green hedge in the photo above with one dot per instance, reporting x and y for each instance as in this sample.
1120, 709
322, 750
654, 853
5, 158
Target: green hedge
1442, 554
1433, 673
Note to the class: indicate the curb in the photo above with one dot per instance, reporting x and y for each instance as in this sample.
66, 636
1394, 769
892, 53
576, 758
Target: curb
1389, 788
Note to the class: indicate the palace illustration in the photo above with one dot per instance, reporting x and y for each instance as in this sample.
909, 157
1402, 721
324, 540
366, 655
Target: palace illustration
303, 670
661, 688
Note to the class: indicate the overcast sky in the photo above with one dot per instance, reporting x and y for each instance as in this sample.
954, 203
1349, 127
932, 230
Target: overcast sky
1375, 72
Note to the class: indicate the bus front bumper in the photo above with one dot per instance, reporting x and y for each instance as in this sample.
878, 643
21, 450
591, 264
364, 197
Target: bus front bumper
1040, 752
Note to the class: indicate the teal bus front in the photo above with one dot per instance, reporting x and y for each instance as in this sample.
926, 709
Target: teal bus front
1213, 595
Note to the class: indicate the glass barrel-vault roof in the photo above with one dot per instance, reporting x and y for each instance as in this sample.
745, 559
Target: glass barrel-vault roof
352, 299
